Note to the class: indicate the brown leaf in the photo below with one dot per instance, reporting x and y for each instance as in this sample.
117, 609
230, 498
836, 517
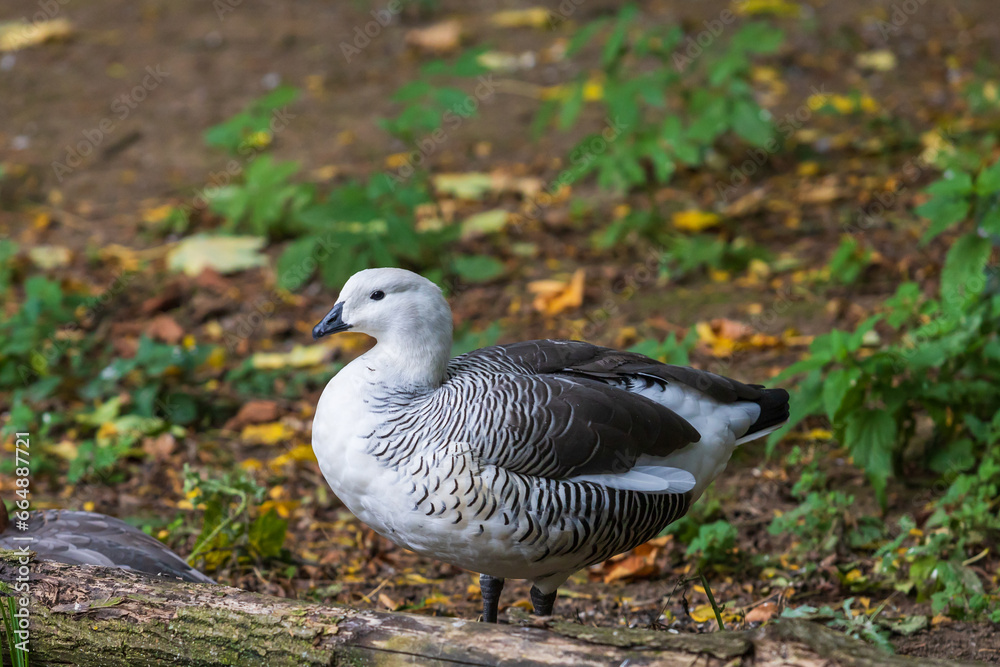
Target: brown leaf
161, 447
169, 297
555, 296
254, 412
165, 328
762, 613
640, 562
438, 38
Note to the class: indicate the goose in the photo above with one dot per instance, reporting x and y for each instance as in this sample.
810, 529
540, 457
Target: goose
524, 461
89, 538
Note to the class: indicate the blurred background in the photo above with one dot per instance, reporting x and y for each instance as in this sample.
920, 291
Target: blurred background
794, 192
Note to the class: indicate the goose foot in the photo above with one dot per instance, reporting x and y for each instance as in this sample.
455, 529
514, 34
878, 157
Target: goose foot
490, 588
542, 602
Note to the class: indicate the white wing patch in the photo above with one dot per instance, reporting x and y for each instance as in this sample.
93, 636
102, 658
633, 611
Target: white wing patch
650, 479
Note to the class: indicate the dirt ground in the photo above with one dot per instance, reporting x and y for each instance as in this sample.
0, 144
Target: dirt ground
195, 67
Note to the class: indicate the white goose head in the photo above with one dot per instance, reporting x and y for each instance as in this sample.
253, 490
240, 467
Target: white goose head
406, 314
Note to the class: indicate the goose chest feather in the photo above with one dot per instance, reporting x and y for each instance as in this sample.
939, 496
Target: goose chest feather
531, 460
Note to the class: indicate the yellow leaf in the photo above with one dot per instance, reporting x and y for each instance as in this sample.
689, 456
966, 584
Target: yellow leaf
437, 598
89, 506
773, 7
487, 222
554, 296
593, 91
703, 613
471, 185
300, 356
530, 17
882, 60
15, 35
225, 254
266, 434
695, 221
48, 257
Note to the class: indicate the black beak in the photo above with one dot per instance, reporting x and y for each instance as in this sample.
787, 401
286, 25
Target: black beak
332, 323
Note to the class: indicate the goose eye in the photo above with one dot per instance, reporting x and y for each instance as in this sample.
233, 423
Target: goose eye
377, 295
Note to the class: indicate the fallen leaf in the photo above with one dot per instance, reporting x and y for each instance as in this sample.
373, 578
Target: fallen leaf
439, 38
762, 613
48, 257
165, 328
254, 412
487, 222
529, 17
388, 602
762, 7
225, 254
555, 296
703, 613
882, 60
471, 185
160, 447
266, 434
640, 562
300, 356
15, 35
695, 221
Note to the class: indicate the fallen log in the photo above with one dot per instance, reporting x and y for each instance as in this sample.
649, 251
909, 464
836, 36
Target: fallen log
94, 616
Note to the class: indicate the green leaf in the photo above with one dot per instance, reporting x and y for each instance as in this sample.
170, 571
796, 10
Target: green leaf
836, 387
478, 268
571, 107
294, 267
963, 270
617, 38
749, 124
870, 436
942, 213
267, 534
988, 180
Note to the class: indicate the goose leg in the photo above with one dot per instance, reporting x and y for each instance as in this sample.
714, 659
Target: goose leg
490, 588
542, 602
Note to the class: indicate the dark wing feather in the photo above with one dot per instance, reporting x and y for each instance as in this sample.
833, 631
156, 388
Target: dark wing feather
602, 363
87, 538
540, 417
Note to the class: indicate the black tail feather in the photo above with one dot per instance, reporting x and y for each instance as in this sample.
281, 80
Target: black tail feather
773, 410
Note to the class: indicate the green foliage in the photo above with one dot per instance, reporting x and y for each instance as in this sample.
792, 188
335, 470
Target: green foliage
428, 106
934, 562
849, 261
251, 129
670, 350
662, 108
855, 624
944, 362
16, 653
266, 203
230, 531
715, 544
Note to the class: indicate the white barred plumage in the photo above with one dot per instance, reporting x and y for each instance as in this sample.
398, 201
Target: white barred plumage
529, 461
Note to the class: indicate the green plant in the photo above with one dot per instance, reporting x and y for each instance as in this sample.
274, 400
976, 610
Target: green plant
855, 624
428, 106
250, 130
266, 202
670, 350
17, 650
229, 529
715, 544
849, 260
944, 359
664, 110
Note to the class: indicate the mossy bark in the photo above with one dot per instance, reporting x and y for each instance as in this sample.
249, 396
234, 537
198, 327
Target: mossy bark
90, 616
